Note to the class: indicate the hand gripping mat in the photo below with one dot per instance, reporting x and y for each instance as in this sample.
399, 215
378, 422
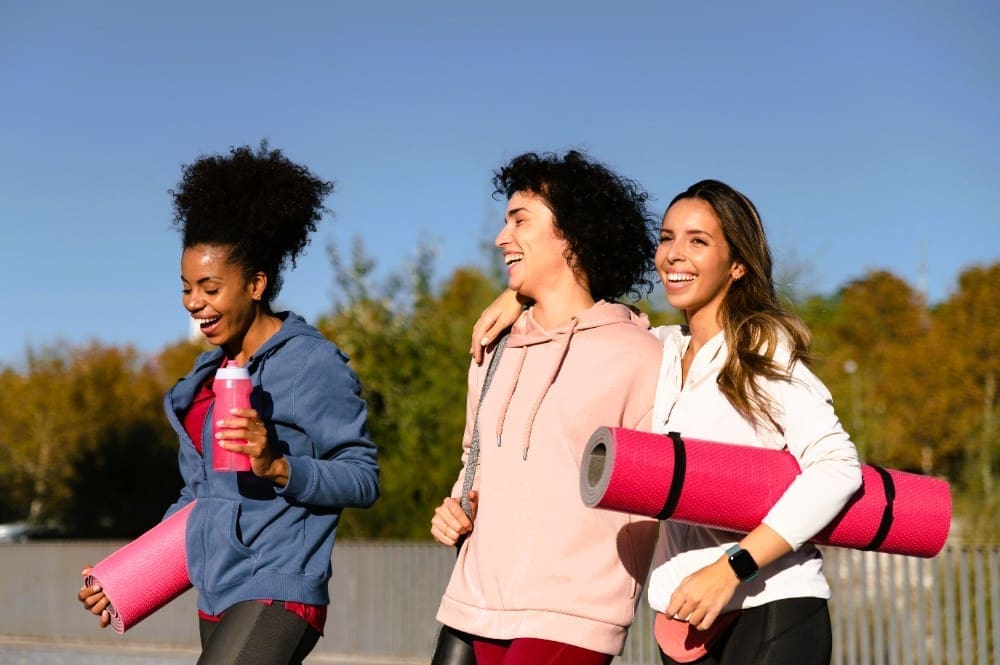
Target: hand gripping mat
733, 487
146, 574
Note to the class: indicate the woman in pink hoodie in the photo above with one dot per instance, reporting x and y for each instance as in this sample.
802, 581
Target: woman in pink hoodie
539, 576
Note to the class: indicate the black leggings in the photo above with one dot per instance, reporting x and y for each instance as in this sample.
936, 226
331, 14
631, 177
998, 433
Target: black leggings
453, 648
793, 631
252, 633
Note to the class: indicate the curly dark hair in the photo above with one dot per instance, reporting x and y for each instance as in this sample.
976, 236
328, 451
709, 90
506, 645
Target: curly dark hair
602, 215
257, 203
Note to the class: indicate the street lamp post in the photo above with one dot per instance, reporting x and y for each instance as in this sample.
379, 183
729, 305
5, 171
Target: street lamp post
851, 369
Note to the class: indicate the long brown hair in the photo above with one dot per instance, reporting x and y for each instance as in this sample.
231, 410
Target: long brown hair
753, 320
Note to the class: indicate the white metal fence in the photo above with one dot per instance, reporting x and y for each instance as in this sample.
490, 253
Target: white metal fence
886, 609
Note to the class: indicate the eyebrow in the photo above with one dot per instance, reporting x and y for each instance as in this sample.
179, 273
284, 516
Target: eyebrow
511, 213
699, 232
209, 278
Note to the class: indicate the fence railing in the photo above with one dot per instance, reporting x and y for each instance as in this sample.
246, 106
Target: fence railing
886, 609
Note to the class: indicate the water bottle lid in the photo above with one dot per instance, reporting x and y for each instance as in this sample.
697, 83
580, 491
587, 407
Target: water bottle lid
232, 371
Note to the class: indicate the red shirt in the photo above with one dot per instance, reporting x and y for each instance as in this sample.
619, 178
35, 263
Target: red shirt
194, 423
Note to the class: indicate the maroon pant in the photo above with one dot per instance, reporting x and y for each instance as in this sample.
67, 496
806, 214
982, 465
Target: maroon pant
531, 651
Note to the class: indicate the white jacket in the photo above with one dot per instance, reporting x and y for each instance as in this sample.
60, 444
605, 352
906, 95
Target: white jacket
812, 434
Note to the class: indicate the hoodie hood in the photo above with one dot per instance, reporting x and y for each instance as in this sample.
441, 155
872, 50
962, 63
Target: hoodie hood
181, 396
527, 332
292, 325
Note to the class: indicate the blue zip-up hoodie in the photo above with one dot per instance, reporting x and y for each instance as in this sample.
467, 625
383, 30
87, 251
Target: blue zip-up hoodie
248, 538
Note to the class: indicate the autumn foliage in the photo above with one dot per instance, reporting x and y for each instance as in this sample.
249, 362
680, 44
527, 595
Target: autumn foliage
86, 449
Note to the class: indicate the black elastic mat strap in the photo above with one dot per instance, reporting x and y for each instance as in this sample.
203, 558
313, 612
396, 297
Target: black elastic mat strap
677, 481
887, 516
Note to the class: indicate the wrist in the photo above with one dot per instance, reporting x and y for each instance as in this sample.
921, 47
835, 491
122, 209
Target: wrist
277, 471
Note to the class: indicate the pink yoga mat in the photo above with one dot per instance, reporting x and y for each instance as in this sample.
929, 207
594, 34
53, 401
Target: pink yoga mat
732, 487
146, 574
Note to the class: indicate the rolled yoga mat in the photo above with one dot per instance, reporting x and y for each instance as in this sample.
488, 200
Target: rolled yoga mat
733, 487
149, 572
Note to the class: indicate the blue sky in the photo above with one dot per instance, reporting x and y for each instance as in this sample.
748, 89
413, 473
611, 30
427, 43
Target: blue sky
868, 133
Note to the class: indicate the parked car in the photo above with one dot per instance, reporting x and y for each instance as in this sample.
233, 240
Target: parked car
14, 532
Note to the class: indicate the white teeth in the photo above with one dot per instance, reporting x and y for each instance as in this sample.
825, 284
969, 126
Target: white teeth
679, 277
204, 323
511, 259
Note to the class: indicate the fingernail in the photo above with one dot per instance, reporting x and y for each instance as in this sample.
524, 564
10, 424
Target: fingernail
96, 587
484, 341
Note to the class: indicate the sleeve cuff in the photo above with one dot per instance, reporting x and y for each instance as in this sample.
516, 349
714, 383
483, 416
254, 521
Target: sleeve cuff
301, 482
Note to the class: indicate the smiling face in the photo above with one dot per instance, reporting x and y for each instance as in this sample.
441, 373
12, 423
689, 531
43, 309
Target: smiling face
218, 295
694, 261
534, 252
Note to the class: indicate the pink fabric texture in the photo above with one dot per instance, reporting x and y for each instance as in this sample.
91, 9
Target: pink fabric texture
146, 574
732, 487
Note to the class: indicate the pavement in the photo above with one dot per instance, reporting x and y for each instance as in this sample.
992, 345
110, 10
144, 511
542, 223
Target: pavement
20, 651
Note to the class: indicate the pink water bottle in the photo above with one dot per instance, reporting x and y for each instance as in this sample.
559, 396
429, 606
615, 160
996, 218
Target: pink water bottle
232, 391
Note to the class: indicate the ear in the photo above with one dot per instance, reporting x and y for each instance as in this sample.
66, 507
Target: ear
737, 271
258, 284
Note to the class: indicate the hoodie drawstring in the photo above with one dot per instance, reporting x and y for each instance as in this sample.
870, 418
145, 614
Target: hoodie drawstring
553, 373
552, 377
510, 394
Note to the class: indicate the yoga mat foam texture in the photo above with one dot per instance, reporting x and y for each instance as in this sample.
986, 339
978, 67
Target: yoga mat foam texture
733, 487
146, 574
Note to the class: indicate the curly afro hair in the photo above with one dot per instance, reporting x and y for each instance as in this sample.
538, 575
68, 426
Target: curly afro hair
257, 203
602, 215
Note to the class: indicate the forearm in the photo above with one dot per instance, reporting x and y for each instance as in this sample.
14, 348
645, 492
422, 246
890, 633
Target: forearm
348, 481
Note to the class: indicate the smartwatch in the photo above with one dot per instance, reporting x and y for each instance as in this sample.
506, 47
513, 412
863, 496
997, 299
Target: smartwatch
742, 563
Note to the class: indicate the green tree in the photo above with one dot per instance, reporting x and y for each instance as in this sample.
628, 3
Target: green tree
408, 342
87, 448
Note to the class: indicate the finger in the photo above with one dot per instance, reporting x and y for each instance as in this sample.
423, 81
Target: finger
478, 349
675, 607
96, 604
105, 619
90, 596
705, 623
441, 535
477, 354
481, 335
459, 520
492, 332
446, 518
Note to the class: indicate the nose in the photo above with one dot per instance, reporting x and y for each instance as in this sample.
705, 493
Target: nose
503, 237
674, 253
192, 302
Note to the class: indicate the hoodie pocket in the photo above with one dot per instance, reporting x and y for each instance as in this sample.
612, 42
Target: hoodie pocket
216, 557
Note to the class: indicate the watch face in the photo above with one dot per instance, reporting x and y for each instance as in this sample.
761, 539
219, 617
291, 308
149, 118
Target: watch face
743, 565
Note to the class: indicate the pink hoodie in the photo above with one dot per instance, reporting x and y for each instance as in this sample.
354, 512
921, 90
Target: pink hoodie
539, 563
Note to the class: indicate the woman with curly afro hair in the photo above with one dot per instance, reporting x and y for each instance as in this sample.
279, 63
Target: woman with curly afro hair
259, 541
540, 577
